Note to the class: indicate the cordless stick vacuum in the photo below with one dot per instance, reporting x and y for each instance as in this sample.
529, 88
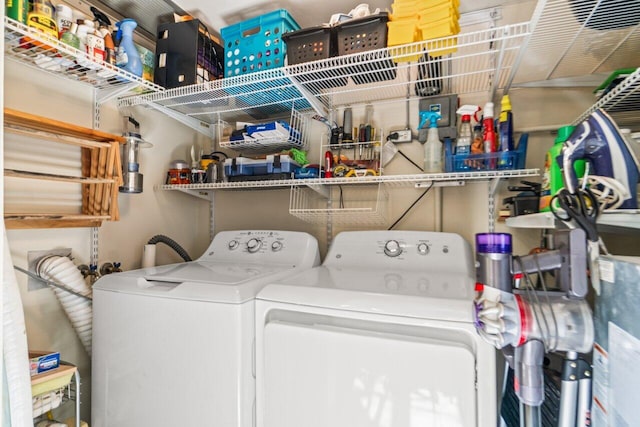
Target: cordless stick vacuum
526, 323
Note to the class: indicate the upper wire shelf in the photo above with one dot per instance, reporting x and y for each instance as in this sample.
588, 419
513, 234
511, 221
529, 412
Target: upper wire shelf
623, 102
470, 62
39, 50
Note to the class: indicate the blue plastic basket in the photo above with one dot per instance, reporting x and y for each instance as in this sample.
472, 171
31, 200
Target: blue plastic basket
256, 44
504, 160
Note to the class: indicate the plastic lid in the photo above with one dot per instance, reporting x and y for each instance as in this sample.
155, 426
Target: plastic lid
466, 117
506, 103
564, 133
493, 243
488, 110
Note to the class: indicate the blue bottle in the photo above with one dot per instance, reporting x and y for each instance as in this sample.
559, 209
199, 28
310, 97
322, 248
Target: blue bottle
127, 56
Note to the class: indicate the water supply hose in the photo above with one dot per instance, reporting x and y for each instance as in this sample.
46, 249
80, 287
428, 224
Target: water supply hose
79, 310
14, 350
160, 238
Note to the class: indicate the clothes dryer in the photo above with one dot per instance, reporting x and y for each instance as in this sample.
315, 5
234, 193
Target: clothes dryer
173, 345
380, 335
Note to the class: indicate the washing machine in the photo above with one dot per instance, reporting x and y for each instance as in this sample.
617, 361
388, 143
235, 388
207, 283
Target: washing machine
173, 345
380, 335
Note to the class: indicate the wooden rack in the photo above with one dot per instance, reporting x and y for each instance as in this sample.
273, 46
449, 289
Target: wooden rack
100, 169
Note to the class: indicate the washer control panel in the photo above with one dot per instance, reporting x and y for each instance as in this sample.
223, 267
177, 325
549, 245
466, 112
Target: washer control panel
262, 246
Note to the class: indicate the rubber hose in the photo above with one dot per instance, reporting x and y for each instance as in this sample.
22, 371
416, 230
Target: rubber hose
160, 238
14, 348
79, 310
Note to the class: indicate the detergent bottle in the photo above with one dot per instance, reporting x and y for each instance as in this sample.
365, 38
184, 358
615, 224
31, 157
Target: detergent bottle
552, 179
433, 146
127, 56
465, 132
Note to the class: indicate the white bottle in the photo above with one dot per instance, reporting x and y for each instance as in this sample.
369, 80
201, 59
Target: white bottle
64, 18
433, 146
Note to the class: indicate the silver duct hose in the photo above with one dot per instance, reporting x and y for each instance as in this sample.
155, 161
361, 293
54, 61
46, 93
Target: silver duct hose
79, 310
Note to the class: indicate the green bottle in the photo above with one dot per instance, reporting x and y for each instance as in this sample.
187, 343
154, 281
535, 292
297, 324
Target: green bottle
17, 10
552, 180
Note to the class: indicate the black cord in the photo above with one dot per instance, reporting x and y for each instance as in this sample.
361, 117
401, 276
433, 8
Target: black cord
411, 207
341, 200
410, 161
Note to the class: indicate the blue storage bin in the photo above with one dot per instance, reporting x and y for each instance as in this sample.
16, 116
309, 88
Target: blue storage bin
256, 44
503, 160
243, 166
279, 163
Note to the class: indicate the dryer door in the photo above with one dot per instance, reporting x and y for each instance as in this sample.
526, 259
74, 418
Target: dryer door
366, 374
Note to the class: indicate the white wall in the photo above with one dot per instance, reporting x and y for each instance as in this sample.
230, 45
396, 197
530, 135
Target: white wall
181, 217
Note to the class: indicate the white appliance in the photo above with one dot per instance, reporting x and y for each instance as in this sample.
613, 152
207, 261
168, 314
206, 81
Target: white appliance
173, 345
380, 335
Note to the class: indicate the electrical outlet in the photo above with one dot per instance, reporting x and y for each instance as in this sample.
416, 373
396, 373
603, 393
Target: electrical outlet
403, 135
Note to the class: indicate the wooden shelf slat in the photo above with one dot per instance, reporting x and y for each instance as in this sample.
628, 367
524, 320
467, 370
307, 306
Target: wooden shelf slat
31, 121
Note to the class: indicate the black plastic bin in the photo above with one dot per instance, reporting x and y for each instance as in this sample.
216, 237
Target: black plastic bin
313, 44
186, 55
361, 36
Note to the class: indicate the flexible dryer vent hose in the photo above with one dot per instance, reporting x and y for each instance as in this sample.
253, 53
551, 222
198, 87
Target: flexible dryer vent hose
159, 238
17, 390
79, 310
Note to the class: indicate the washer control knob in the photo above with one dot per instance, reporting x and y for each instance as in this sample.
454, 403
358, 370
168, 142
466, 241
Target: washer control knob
253, 245
233, 245
276, 246
423, 248
392, 248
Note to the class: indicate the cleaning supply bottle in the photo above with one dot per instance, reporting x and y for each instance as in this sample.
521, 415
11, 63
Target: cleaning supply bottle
70, 37
505, 134
552, 179
433, 146
103, 29
465, 132
17, 10
489, 136
127, 55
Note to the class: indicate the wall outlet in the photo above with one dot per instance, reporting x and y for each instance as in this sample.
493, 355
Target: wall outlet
403, 135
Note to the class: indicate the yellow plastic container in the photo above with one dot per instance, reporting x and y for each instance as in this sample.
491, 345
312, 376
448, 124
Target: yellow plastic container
437, 29
404, 11
401, 33
438, 13
441, 47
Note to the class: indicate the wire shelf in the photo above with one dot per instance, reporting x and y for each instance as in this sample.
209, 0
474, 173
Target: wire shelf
623, 102
368, 206
299, 138
576, 37
38, 50
470, 62
388, 180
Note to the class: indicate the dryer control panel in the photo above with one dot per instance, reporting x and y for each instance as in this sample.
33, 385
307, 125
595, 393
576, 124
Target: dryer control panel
263, 246
412, 250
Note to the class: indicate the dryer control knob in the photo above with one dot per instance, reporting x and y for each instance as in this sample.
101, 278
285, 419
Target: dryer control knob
392, 248
233, 245
253, 245
276, 246
423, 248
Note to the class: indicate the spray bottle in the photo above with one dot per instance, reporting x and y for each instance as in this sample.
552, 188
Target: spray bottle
105, 33
465, 133
127, 55
433, 146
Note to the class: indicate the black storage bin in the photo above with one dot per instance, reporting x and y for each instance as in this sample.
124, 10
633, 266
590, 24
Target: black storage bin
186, 55
312, 44
362, 35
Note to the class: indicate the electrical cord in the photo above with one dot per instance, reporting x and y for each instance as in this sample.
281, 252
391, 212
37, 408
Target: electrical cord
411, 207
392, 137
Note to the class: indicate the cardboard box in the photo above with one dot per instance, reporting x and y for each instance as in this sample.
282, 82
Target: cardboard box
42, 361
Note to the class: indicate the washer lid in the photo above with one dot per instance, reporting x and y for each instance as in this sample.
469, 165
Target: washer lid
424, 295
225, 282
